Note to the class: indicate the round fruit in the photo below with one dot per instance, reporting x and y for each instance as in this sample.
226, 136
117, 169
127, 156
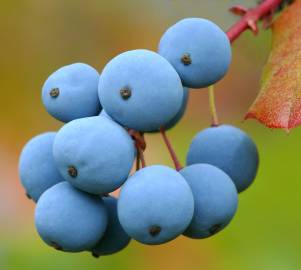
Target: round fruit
215, 198
229, 149
94, 154
155, 205
71, 92
181, 112
37, 168
104, 114
115, 238
198, 49
140, 90
69, 219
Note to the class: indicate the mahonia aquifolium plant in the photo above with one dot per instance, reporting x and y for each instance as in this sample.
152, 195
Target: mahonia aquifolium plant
70, 173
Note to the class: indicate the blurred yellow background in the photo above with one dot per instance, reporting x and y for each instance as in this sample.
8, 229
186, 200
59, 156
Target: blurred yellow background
37, 37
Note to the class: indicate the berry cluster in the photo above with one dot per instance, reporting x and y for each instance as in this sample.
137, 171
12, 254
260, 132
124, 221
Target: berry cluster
71, 173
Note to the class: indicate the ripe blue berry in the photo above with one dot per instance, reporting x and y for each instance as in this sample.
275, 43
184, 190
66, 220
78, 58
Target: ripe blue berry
174, 121
104, 114
115, 238
37, 168
155, 205
229, 149
181, 112
71, 92
94, 154
69, 219
198, 49
140, 90
215, 198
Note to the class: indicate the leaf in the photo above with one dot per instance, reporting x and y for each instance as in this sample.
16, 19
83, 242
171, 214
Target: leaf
278, 104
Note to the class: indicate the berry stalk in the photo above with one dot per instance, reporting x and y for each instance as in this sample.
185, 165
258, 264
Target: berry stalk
137, 160
172, 152
212, 105
141, 157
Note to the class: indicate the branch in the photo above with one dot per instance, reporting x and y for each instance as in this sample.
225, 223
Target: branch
250, 17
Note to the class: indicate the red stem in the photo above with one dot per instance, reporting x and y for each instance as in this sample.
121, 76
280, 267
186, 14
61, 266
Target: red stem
251, 17
172, 152
137, 160
141, 157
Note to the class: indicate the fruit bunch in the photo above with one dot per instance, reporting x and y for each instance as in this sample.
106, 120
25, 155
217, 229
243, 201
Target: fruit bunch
70, 173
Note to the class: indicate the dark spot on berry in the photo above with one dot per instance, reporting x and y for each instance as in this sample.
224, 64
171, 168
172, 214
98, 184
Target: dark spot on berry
95, 255
55, 92
125, 93
186, 59
155, 230
72, 171
215, 228
28, 196
56, 246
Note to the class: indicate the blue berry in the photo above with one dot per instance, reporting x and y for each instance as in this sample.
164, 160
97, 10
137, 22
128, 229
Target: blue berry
198, 49
140, 90
181, 112
115, 238
104, 114
37, 168
94, 154
71, 92
155, 205
69, 219
215, 199
229, 149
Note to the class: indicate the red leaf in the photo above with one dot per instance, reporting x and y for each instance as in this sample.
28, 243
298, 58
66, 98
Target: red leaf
278, 104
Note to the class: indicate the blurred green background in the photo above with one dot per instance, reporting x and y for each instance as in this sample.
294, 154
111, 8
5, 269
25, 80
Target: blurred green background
37, 37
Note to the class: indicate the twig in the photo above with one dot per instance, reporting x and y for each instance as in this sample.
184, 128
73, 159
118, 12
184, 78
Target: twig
250, 17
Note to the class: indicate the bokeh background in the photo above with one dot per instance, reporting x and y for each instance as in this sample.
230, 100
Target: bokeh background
37, 37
